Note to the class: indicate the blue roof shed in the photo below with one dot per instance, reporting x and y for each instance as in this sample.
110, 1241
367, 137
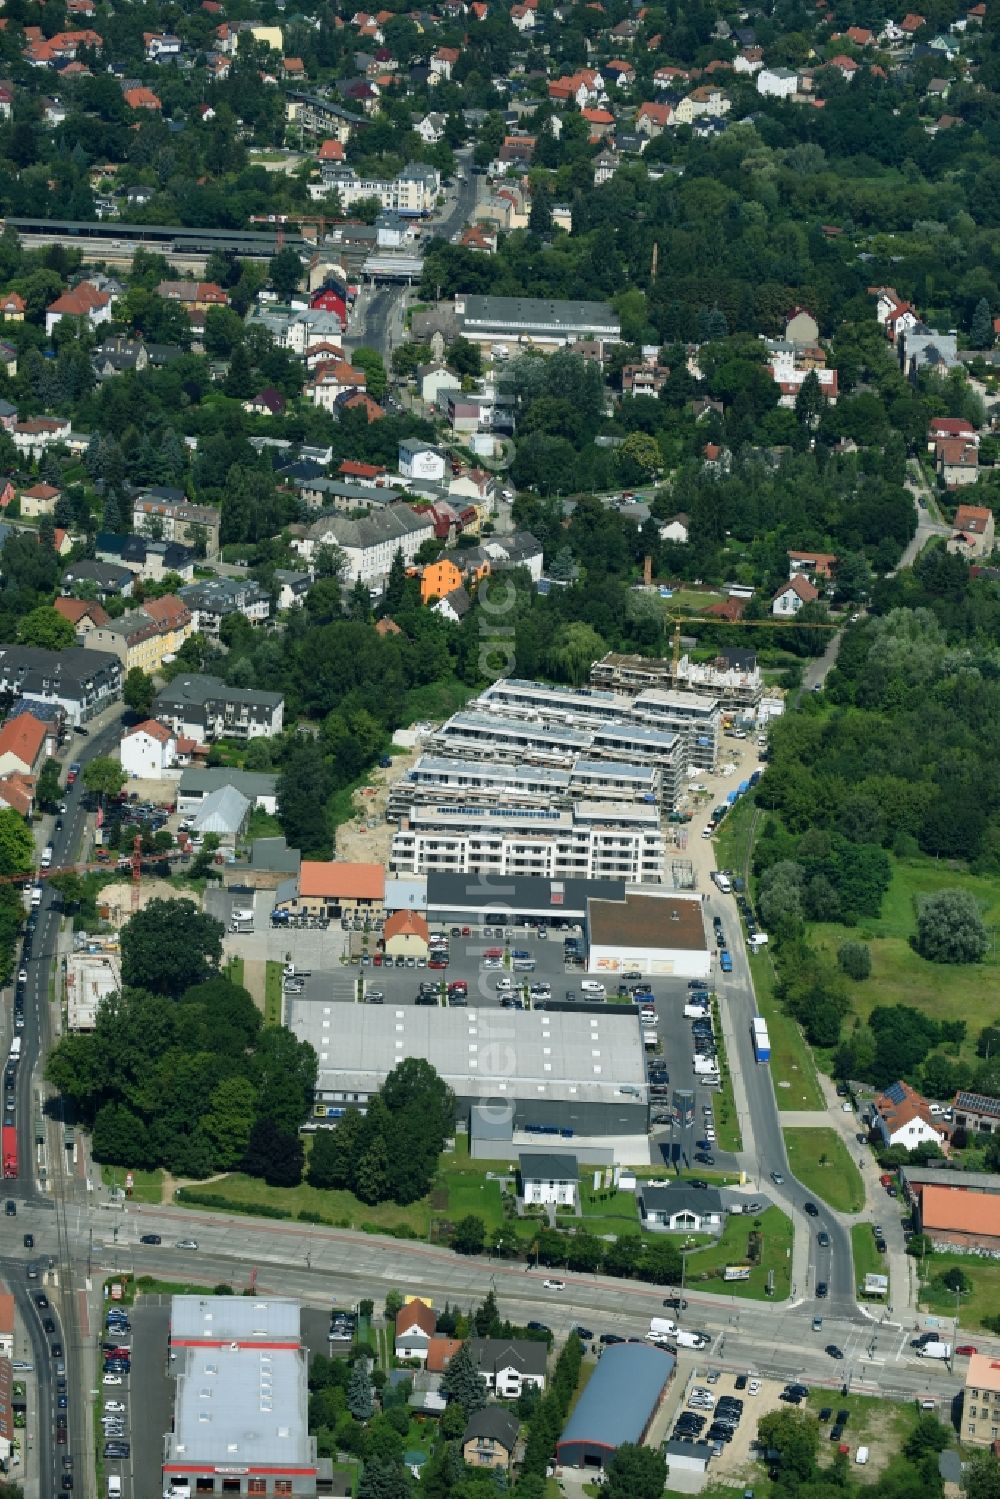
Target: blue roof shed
618, 1404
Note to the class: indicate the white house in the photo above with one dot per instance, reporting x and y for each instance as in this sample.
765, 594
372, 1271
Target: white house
415, 1324
370, 543
550, 1178
433, 380
676, 529
148, 751
792, 595
680, 1209
903, 1117
777, 83
509, 1366
420, 460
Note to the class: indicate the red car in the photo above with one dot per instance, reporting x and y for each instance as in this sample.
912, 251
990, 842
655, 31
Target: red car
459, 986
886, 1180
438, 963
966, 1350
466, 931
377, 959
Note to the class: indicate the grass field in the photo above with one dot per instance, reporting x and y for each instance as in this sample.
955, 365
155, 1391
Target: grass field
234, 970
470, 1192
147, 1186
821, 1162
732, 840
985, 1278
727, 1124
272, 994
867, 1260
705, 1266
900, 976
341, 1208
616, 1214
793, 1070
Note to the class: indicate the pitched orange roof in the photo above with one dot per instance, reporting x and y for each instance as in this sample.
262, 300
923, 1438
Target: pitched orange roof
406, 924
17, 791
964, 1212
440, 1354
415, 1314
76, 609
155, 730
333, 880
23, 737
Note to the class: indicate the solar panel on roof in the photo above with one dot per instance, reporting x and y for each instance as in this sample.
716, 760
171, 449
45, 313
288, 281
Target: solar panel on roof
895, 1093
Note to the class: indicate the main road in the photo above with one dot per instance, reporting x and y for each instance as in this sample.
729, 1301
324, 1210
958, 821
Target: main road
378, 319
325, 1266
44, 1211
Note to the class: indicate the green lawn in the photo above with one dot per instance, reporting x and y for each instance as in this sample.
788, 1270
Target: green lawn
246, 1193
607, 1212
899, 975
821, 1162
793, 1070
732, 840
470, 1192
147, 1186
705, 1266
867, 1260
272, 994
234, 971
727, 1124
985, 1278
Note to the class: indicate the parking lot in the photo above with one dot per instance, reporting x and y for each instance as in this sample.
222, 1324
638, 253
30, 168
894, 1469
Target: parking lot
148, 1393
470, 960
735, 1463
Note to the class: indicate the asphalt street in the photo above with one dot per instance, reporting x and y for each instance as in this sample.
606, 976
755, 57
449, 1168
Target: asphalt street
49, 1207
378, 322
323, 1267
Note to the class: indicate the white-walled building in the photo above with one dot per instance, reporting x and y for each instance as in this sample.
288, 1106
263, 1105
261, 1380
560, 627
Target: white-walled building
371, 543
549, 1178
591, 841
148, 751
420, 460
777, 83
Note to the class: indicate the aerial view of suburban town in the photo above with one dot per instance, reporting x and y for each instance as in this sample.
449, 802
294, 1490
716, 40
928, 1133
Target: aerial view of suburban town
500, 749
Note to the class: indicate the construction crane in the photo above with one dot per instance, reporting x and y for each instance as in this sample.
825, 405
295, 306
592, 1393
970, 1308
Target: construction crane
741, 624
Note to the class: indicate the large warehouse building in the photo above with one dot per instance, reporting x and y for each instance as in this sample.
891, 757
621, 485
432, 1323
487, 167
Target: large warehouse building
617, 1405
657, 934
545, 1071
242, 1402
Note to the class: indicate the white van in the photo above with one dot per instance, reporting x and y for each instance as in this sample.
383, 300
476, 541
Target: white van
594, 987
723, 881
46, 860
861, 1456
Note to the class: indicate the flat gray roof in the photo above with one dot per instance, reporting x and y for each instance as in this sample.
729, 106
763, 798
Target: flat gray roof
241, 1406
234, 1319
487, 1053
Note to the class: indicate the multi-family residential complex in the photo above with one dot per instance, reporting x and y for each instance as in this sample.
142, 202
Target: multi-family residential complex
166, 517
215, 599
691, 716
144, 638
413, 193
485, 732
444, 781
204, 708
733, 676
81, 681
371, 543
591, 841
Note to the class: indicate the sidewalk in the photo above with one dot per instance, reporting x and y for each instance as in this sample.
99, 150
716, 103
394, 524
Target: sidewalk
878, 1208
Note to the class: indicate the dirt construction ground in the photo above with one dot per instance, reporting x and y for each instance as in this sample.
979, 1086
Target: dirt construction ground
367, 837
118, 897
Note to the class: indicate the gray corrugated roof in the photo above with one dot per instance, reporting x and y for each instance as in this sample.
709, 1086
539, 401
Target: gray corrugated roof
621, 1396
223, 811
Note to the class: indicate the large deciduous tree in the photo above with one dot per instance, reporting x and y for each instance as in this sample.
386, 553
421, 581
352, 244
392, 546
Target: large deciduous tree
170, 945
950, 928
